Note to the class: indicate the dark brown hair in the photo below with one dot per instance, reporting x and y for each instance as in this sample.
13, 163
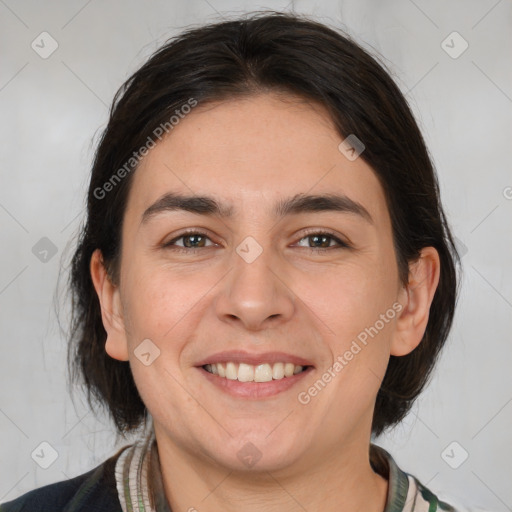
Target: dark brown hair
264, 52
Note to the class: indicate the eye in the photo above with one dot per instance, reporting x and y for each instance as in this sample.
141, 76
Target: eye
190, 240
321, 241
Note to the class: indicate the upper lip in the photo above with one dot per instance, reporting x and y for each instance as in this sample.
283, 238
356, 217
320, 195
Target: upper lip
241, 356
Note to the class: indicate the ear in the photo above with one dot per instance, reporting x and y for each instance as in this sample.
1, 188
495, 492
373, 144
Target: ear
416, 298
116, 345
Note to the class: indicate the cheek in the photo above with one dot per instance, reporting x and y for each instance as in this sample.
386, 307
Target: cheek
160, 306
357, 317
349, 305
164, 305
350, 298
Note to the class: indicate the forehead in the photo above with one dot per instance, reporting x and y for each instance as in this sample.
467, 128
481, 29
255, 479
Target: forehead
251, 151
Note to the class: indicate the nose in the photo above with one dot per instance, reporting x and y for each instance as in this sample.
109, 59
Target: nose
256, 295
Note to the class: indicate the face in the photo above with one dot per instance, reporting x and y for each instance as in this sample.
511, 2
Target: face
270, 314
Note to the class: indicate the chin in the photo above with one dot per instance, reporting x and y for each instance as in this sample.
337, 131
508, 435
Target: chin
257, 452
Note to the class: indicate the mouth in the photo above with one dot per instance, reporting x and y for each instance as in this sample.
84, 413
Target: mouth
244, 372
243, 375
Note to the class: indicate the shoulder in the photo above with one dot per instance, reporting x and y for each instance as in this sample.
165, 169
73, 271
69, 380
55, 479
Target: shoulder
95, 490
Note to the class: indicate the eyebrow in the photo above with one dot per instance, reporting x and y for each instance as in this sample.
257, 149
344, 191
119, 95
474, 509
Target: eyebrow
300, 203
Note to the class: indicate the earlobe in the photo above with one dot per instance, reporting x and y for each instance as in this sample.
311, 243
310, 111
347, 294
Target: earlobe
416, 298
111, 309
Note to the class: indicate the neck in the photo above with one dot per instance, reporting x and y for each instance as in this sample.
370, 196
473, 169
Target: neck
345, 478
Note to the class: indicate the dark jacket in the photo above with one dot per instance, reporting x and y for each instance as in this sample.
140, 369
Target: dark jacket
94, 491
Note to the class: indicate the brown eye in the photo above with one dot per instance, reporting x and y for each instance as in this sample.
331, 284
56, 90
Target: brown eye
190, 240
322, 241
194, 240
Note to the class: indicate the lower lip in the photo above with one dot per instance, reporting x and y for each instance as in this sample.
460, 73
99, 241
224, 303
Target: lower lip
254, 390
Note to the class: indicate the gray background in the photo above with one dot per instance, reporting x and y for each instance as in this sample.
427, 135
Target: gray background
52, 112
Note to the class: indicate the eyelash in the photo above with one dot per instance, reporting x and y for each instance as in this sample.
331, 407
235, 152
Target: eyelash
169, 245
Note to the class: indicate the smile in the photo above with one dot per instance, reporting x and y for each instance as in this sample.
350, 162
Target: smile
252, 376
244, 372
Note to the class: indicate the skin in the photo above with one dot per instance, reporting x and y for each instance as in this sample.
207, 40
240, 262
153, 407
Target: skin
249, 153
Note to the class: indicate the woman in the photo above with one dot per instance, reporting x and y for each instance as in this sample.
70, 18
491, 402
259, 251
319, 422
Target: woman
264, 281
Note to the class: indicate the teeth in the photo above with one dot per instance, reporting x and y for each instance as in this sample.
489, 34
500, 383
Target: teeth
245, 372
278, 371
249, 373
288, 369
263, 373
231, 371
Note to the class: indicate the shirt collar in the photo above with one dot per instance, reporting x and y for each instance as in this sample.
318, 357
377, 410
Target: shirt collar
140, 485
398, 482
